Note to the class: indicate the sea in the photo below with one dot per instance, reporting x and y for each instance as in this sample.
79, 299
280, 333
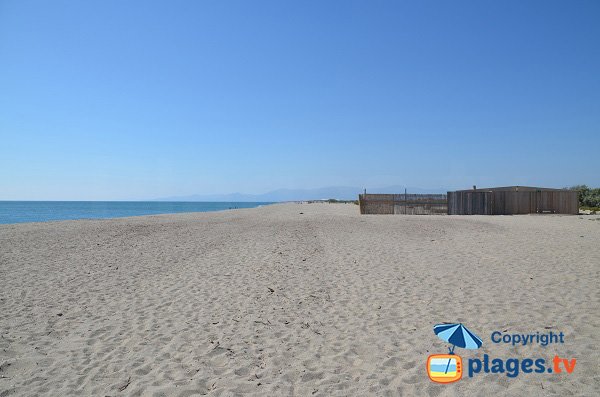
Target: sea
44, 211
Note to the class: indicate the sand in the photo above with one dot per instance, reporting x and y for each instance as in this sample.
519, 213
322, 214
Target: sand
292, 299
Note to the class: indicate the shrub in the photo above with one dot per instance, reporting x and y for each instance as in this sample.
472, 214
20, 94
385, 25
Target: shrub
588, 197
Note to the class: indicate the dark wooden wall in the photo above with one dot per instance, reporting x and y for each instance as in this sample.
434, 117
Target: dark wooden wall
510, 202
470, 203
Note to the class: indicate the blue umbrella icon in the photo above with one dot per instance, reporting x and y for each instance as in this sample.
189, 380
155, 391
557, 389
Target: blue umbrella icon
457, 335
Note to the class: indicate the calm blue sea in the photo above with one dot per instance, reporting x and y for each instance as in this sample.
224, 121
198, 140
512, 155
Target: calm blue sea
43, 211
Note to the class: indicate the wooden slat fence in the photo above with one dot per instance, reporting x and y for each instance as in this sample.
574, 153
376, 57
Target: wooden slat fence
403, 204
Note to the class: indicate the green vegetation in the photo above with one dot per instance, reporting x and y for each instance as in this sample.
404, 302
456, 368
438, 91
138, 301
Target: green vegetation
594, 210
589, 198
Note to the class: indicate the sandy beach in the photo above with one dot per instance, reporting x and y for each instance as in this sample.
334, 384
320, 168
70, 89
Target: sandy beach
292, 300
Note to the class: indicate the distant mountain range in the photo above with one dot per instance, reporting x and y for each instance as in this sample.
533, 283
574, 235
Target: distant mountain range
332, 192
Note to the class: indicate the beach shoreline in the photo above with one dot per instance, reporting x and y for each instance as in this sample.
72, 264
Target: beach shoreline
13, 212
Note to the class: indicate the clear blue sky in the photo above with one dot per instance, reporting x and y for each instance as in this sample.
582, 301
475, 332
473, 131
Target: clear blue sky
135, 100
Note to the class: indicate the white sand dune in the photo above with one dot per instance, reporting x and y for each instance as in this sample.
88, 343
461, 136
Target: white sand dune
269, 301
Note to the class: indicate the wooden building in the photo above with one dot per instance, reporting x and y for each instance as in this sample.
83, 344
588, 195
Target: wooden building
512, 200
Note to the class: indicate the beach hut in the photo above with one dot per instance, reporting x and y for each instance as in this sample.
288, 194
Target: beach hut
512, 200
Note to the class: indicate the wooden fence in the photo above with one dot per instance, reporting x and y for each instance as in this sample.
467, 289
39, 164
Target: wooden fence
403, 204
512, 202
